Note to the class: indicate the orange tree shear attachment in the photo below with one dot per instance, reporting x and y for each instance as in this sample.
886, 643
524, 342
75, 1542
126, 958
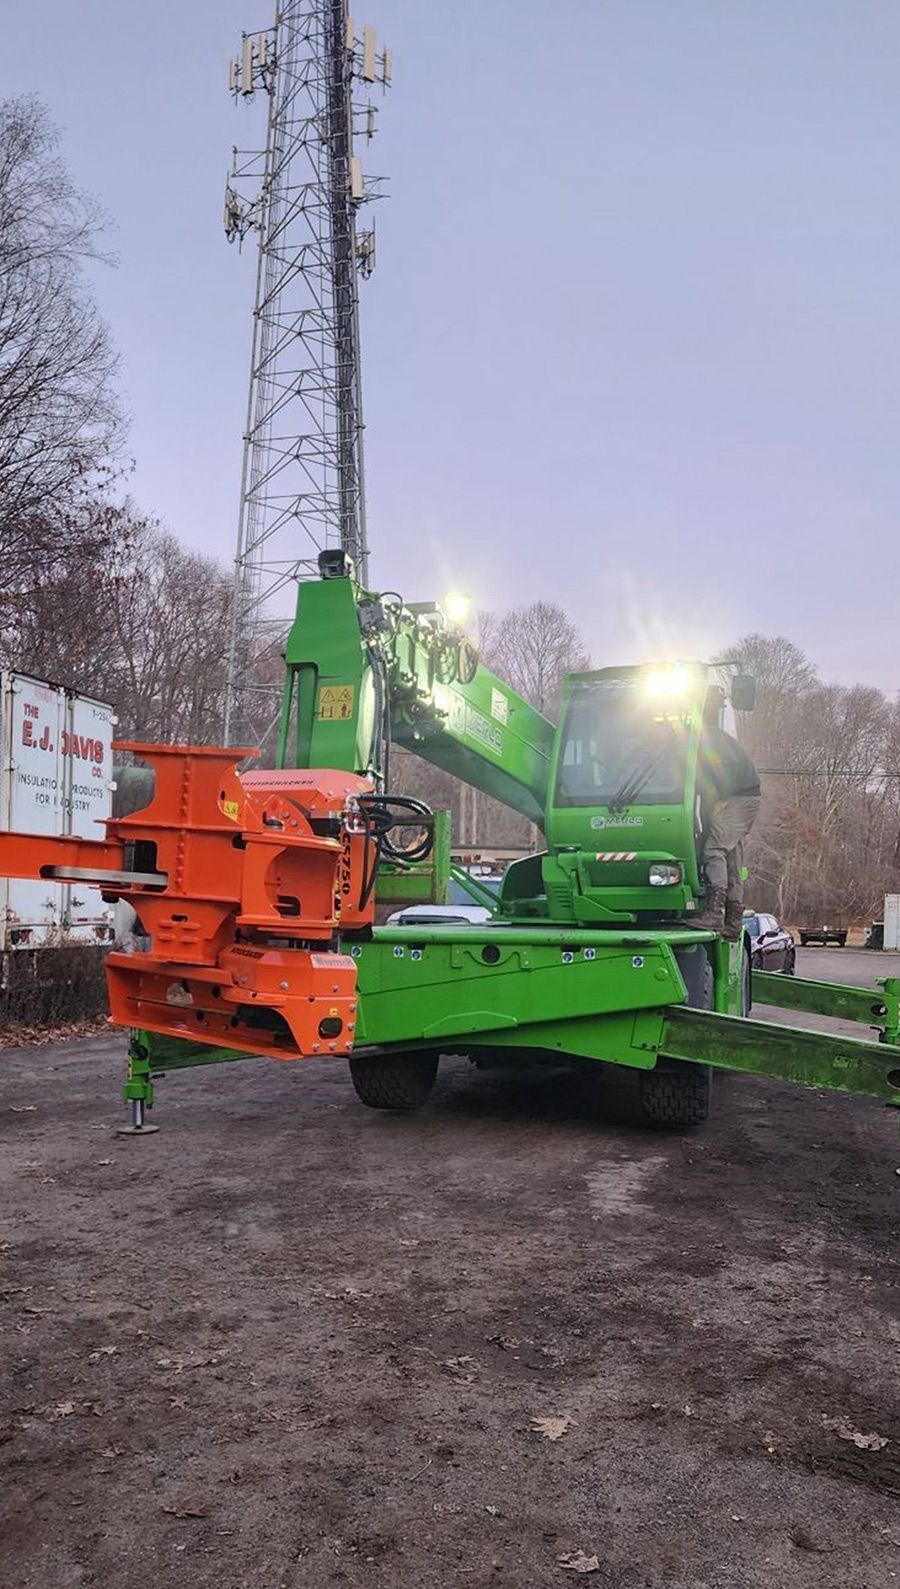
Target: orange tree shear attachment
241, 886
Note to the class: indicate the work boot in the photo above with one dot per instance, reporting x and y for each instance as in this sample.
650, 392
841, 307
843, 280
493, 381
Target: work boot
734, 919
712, 916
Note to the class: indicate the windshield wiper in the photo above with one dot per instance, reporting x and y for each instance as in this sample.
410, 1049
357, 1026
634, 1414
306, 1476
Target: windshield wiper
633, 785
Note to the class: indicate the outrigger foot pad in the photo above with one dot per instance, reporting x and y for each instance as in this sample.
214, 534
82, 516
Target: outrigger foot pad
137, 1126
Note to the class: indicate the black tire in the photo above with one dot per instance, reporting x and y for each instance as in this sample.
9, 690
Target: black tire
393, 1081
791, 965
676, 1095
804, 940
842, 940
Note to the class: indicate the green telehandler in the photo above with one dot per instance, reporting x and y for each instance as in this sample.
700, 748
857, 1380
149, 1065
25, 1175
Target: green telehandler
591, 957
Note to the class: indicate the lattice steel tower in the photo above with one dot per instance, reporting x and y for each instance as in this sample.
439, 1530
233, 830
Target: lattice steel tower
302, 480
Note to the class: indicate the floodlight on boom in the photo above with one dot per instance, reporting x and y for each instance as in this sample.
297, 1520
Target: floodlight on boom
456, 608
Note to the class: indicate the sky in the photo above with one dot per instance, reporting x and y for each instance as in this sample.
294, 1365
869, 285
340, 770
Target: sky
633, 340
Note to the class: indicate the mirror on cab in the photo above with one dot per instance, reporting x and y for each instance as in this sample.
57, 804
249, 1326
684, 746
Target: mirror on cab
743, 692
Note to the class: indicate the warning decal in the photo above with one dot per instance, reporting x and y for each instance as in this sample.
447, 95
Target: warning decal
335, 703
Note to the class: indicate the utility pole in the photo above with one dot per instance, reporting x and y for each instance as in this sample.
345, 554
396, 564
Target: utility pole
302, 476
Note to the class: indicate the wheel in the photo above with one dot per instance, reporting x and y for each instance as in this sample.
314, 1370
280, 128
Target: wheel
393, 1081
842, 940
790, 964
804, 940
676, 1095
758, 963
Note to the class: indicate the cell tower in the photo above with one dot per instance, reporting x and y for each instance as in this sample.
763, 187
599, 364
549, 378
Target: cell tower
302, 479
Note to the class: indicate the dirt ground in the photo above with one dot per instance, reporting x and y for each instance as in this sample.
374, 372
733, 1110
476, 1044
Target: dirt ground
291, 1342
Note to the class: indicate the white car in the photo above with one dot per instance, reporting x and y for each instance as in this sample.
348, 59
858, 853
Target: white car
461, 909
439, 916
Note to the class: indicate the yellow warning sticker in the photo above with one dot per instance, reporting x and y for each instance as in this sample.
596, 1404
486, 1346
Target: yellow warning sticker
335, 702
230, 808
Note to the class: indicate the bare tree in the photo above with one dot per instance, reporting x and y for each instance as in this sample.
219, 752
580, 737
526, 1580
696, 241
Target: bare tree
829, 756
532, 648
141, 622
784, 679
59, 420
170, 611
779, 667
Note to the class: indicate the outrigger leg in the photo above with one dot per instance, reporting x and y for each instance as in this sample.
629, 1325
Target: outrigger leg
138, 1090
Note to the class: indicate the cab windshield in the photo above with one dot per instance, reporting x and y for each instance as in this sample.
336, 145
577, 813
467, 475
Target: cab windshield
617, 749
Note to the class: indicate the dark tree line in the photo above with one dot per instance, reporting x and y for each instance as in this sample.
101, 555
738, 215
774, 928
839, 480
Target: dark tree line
139, 620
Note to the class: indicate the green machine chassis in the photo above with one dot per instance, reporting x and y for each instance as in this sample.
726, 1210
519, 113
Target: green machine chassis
612, 997
587, 961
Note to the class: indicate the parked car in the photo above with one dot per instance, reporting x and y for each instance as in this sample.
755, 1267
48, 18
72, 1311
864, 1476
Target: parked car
824, 935
771, 947
438, 916
462, 908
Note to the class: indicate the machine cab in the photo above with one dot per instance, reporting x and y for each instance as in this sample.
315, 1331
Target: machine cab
621, 820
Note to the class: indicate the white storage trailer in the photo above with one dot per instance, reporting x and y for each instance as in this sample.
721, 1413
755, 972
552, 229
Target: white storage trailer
56, 777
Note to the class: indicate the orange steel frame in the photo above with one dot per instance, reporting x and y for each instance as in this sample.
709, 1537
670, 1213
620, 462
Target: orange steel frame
241, 885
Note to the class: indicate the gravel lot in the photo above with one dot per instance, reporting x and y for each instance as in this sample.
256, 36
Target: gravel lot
288, 1341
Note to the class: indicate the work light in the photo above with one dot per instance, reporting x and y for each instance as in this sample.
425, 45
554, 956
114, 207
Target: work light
456, 608
666, 683
663, 874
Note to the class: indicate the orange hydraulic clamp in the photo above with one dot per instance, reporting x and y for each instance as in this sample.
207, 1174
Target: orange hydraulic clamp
241, 884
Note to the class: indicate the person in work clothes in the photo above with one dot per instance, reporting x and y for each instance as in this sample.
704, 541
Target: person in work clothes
728, 786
